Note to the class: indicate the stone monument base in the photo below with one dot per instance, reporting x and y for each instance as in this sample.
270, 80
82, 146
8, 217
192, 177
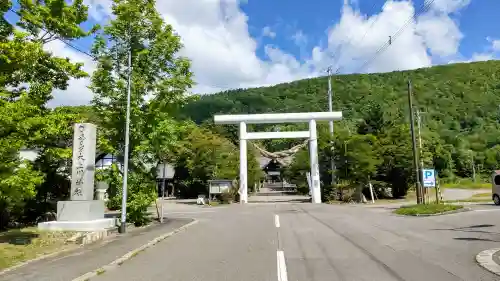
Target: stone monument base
79, 216
93, 225
80, 210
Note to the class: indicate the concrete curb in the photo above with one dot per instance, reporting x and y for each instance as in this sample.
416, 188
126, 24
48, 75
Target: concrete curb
485, 259
131, 254
84, 238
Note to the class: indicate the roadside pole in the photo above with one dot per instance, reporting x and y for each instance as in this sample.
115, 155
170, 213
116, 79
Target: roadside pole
330, 129
162, 197
418, 185
371, 192
123, 225
439, 195
425, 192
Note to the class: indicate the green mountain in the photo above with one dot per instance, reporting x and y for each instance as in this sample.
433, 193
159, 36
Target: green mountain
458, 97
460, 105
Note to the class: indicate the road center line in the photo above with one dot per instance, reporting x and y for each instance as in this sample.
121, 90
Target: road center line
277, 220
188, 212
282, 274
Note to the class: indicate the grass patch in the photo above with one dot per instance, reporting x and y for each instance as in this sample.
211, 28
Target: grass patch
214, 203
100, 271
482, 195
20, 245
426, 209
410, 196
467, 184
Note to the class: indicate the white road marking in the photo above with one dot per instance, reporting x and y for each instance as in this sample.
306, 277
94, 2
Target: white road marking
487, 210
282, 274
277, 220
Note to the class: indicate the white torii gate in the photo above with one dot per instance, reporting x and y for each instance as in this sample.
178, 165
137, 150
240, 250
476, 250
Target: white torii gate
310, 117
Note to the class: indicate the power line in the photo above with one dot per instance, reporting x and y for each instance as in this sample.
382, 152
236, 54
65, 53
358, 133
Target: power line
76, 48
60, 39
395, 36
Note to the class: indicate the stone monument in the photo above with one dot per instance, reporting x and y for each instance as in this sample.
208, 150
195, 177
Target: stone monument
82, 212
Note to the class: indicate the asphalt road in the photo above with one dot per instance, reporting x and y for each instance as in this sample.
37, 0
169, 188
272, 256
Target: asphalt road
461, 194
305, 242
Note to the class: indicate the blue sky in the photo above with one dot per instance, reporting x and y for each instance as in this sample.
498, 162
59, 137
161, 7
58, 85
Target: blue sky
249, 43
477, 21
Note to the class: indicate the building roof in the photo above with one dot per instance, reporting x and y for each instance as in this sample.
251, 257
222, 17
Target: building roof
264, 161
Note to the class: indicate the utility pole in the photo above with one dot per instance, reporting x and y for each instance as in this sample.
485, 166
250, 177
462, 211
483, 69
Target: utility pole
419, 139
473, 169
126, 149
414, 142
420, 151
330, 124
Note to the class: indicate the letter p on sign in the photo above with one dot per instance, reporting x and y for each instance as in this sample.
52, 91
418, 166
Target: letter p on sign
429, 178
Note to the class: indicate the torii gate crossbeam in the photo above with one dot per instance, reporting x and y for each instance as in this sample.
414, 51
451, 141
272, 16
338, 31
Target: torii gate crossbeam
310, 117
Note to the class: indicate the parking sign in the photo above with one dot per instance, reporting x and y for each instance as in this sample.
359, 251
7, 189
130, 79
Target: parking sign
429, 176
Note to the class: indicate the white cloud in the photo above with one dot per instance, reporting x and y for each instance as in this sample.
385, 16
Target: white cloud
77, 92
495, 44
414, 42
299, 38
482, 57
449, 6
99, 10
491, 53
267, 31
216, 38
440, 33
356, 40
224, 55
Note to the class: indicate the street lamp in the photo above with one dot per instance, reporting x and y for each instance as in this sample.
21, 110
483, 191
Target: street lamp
330, 124
126, 150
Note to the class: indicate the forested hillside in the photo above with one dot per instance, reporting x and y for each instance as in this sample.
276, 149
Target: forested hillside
459, 96
459, 105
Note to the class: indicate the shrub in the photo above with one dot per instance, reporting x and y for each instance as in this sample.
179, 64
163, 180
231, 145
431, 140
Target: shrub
229, 196
141, 193
226, 198
426, 209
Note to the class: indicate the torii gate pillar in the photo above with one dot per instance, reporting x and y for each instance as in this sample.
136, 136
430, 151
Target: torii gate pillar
313, 160
243, 164
310, 117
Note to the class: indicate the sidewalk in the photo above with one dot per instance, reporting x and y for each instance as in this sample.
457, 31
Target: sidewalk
73, 264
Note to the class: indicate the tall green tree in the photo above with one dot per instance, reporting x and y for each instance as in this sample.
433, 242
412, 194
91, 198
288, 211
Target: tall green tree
28, 76
397, 166
202, 155
363, 158
159, 81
